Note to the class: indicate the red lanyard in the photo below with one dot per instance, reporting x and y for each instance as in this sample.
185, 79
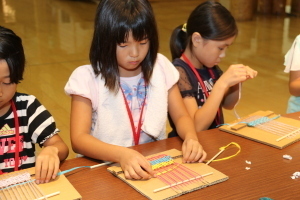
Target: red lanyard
137, 133
17, 135
217, 119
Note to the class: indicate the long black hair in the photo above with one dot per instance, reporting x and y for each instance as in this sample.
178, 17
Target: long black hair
11, 50
212, 20
114, 20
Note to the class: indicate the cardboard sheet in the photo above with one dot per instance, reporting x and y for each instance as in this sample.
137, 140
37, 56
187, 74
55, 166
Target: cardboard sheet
60, 184
147, 187
263, 136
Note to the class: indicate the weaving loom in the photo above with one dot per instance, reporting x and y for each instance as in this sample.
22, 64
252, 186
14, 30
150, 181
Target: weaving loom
21, 186
266, 127
173, 177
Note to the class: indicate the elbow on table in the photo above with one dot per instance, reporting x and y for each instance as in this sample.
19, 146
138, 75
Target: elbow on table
76, 145
228, 107
294, 91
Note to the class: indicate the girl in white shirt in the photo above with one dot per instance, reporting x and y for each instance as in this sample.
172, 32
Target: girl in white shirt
292, 66
123, 97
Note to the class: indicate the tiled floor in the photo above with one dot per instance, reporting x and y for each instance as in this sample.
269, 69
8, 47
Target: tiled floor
57, 35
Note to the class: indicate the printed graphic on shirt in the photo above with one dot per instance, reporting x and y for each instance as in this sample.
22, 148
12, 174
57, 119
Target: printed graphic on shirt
201, 94
8, 151
8, 146
135, 94
6, 130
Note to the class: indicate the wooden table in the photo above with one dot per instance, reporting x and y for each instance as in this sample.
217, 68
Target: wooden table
269, 174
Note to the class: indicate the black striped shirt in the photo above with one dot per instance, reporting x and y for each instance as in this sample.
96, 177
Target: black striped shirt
36, 125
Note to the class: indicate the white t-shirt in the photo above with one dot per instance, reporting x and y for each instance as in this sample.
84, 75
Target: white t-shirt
135, 92
110, 121
292, 57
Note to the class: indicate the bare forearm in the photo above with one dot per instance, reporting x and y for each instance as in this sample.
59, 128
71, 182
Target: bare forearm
231, 97
205, 115
185, 128
63, 150
92, 147
57, 146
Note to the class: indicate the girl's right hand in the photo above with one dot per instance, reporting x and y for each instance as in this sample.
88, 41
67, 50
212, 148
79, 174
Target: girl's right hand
135, 165
237, 73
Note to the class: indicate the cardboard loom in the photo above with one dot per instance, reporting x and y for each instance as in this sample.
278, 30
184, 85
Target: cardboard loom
265, 133
60, 184
148, 187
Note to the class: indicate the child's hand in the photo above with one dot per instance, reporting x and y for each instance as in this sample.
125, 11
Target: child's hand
236, 74
250, 73
46, 165
192, 151
135, 165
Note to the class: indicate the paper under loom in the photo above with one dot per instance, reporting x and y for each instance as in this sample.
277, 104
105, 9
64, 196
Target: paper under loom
173, 177
20, 185
267, 128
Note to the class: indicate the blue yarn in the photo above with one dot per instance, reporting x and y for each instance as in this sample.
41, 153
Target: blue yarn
58, 174
261, 121
160, 160
254, 122
17, 184
221, 125
69, 170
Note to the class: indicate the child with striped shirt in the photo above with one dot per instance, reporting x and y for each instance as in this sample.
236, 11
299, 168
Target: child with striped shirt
24, 121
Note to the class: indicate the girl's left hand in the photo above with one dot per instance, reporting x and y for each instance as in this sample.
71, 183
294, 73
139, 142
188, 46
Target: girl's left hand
192, 151
46, 165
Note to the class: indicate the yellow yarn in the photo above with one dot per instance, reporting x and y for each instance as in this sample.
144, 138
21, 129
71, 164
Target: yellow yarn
224, 147
162, 164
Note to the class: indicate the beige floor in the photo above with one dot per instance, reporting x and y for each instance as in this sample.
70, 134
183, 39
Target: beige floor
57, 33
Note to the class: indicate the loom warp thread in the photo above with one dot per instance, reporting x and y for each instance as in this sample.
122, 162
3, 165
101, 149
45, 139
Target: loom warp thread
20, 186
172, 173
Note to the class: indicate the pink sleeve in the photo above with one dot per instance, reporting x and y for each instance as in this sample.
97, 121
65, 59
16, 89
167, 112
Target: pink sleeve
83, 82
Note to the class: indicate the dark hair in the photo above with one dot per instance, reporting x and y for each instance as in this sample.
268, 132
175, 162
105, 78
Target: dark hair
212, 20
11, 50
114, 20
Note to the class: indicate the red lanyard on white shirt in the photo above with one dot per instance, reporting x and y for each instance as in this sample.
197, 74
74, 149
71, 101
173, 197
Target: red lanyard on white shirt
16, 119
136, 133
202, 82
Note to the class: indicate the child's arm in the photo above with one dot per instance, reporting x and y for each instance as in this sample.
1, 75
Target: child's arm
134, 165
294, 83
191, 148
225, 92
47, 162
232, 95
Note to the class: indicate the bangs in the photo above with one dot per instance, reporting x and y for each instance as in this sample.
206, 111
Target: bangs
121, 17
139, 27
